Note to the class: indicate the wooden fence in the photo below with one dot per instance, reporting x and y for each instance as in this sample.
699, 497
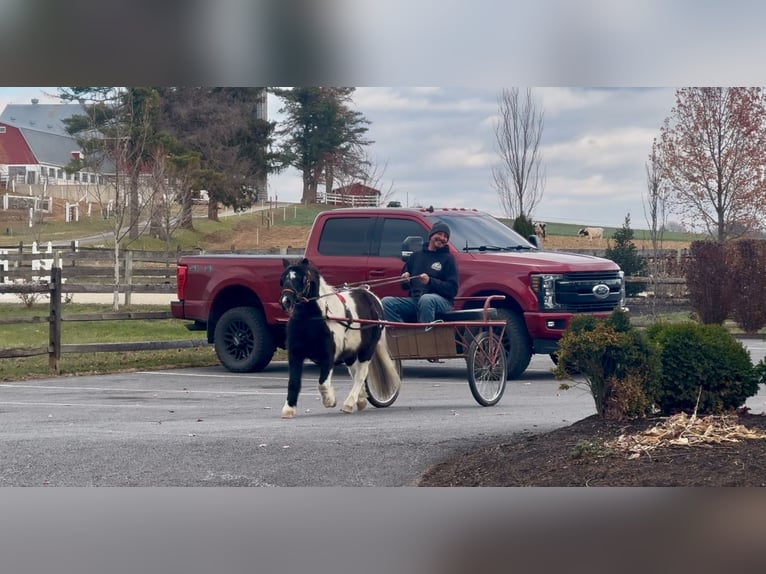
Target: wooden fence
164, 273
54, 349
92, 269
60, 273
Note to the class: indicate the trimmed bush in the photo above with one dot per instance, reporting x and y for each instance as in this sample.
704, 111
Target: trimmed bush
747, 280
618, 363
708, 281
703, 367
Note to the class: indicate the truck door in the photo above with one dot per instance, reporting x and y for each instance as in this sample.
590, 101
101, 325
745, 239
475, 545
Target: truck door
386, 254
343, 249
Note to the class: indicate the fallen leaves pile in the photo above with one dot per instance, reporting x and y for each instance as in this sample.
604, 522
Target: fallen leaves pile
684, 430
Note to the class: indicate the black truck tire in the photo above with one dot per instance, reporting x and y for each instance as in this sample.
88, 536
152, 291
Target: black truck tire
242, 340
517, 345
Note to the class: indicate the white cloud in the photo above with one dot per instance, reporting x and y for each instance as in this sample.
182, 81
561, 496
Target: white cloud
557, 101
610, 148
465, 156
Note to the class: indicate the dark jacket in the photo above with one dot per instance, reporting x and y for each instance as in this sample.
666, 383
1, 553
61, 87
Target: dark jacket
441, 267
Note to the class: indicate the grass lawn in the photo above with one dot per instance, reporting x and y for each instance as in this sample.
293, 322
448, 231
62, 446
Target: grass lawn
35, 334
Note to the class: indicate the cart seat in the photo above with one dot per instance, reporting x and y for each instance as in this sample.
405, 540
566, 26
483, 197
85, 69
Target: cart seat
468, 315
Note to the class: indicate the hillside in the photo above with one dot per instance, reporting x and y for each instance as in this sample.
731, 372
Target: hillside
247, 231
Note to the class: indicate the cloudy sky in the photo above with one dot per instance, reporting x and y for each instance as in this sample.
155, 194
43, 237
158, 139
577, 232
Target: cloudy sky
436, 146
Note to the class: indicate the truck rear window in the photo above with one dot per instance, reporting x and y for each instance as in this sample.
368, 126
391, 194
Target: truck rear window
345, 236
394, 232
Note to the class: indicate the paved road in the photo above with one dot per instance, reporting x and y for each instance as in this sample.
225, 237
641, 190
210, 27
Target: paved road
209, 427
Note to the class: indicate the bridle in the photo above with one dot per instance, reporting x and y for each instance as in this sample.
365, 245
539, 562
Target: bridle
290, 297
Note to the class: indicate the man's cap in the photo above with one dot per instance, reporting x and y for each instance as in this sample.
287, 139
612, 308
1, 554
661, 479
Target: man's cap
439, 227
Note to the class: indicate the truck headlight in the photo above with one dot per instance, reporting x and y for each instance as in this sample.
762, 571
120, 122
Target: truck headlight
544, 286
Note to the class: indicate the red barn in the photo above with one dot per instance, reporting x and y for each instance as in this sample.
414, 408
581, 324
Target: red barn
355, 195
35, 147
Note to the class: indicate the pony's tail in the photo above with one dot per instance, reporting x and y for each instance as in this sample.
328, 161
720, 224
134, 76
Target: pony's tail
382, 375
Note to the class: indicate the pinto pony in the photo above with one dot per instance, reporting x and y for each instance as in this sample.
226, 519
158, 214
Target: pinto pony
322, 328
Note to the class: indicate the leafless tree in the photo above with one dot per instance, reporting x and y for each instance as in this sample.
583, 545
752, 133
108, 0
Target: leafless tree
115, 134
364, 170
520, 177
171, 183
656, 199
655, 211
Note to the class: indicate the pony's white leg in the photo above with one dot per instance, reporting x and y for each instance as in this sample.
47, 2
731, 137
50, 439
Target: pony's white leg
356, 396
288, 412
327, 392
361, 400
361, 396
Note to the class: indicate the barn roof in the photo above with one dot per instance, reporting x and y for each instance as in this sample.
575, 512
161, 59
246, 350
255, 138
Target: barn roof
356, 189
42, 127
43, 118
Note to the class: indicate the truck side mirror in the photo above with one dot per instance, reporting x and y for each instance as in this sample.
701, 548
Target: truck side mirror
534, 241
411, 243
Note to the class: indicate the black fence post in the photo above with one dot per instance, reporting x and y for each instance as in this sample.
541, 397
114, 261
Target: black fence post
54, 330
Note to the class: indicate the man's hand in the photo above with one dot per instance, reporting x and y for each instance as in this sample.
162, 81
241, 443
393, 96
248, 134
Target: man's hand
424, 277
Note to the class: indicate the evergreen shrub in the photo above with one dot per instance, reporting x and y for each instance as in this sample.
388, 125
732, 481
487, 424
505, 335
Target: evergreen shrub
618, 363
523, 226
703, 368
623, 252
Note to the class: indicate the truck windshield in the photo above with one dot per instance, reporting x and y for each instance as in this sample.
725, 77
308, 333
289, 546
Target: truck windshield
482, 232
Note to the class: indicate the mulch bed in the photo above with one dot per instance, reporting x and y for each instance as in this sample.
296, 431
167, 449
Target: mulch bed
668, 451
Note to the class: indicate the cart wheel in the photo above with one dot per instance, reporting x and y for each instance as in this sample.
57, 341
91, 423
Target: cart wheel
375, 397
487, 368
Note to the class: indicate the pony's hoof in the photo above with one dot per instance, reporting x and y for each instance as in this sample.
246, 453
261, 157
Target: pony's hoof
347, 409
288, 412
361, 404
330, 404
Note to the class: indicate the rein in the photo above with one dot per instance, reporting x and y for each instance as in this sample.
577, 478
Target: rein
366, 285
374, 283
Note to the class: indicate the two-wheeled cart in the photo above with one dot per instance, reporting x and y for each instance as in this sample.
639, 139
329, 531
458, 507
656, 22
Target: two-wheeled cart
474, 334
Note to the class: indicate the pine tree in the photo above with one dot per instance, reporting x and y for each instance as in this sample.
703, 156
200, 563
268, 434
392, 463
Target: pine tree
624, 253
523, 226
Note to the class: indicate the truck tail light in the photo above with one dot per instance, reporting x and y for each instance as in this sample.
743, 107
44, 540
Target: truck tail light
181, 274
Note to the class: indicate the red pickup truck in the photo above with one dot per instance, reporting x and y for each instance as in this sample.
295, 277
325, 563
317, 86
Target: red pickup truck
235, 297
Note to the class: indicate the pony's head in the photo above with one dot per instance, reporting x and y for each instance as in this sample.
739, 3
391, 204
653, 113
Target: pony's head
299, 283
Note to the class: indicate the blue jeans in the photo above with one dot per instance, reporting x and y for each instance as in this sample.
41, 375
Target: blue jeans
414, 310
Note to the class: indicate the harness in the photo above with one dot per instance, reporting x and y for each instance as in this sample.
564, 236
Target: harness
303, 297
348, 323
349, 317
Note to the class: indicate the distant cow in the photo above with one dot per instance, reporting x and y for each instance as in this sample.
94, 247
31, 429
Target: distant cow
540, 229
592, 232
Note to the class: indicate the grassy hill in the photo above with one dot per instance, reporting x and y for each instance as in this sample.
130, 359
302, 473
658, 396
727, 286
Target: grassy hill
232, 230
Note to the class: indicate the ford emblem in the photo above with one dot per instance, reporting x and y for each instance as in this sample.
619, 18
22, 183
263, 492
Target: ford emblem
601, 291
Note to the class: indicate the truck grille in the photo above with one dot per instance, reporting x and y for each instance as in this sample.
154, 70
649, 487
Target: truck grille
574, 291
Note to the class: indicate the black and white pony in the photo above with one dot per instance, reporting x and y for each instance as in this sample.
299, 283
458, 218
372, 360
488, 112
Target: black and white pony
317, 330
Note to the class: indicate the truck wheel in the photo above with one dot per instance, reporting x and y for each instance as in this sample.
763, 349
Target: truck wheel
517, 345
242, 340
